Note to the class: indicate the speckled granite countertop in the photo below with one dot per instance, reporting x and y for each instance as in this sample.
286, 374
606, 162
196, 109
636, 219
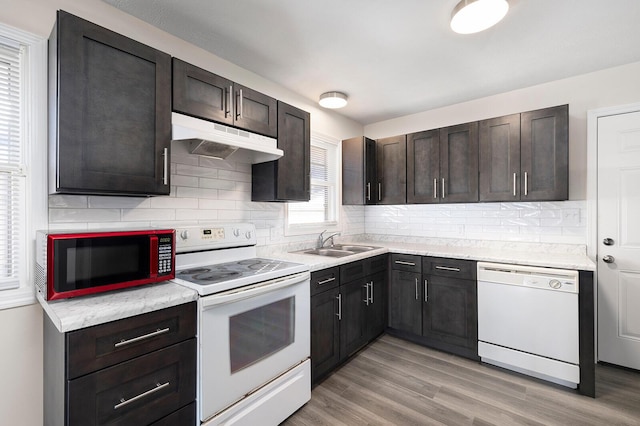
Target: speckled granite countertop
533, 254
80, 312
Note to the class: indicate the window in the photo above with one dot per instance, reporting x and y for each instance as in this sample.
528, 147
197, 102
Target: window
322, 210
22, 160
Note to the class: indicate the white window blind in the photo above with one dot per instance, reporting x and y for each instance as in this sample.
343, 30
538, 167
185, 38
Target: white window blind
12, 175
321, 209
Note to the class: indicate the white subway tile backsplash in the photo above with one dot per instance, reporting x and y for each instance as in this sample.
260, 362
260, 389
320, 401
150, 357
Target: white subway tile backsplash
84, 215
217, 184
68, 201
104, 202
184, 169
148, 214
199, 215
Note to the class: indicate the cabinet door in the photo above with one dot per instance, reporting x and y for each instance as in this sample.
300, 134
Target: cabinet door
325, 333
545, 154
359, 171
391, 172
255, 111
405, 302
499, 142
113, 109
202, 94
376, 308
450, 311
353, 321
423, 167
288, 178
459, 163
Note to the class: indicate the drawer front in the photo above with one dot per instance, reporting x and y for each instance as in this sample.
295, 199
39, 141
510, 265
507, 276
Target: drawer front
375, 264
184, 416
406, 262
136, 392
325, 279
452, 268
94, 348
351, 271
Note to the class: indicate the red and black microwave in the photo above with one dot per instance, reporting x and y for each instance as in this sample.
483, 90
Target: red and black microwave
76, 264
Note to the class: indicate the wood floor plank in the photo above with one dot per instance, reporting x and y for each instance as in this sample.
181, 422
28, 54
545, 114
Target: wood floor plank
394, 382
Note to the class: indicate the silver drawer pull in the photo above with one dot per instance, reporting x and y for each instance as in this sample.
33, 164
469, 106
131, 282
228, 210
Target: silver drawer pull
137, 339
448, 268
328, 280
402, 262
124, 402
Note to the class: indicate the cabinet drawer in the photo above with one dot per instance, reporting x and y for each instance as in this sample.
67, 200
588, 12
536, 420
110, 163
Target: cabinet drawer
94, 348
184, 416
375, 264
406, 262
351, 271
453, 268
139, 391
324, 279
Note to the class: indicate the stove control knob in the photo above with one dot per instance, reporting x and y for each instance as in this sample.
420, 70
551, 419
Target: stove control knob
184, 235
236, 232
248, 235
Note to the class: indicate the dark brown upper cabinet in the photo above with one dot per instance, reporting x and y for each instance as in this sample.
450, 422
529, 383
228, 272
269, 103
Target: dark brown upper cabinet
200, 93
111, 111
391, 170
359, 184
442, 165
288, 178
525, 156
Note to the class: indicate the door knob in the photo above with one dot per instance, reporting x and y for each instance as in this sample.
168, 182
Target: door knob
607, 242
608, 259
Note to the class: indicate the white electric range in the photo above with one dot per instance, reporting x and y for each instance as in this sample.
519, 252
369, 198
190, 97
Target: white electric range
253, 326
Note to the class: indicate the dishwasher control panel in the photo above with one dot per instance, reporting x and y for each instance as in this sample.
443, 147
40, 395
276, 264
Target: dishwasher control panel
529, 276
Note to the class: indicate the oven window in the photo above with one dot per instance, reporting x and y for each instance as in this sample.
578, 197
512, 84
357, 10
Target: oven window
260, 332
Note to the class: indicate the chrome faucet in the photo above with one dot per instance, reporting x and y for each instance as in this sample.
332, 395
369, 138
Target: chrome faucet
321, 241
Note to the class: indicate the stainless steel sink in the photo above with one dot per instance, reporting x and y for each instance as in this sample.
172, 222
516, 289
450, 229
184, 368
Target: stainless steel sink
338, 250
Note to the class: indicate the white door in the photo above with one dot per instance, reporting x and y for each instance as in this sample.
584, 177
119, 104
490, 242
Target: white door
619, 239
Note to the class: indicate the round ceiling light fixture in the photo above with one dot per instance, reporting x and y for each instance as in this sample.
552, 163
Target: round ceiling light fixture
333, 100
472, 16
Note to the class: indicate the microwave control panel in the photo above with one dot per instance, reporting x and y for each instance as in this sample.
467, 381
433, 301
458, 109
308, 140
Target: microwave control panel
165, 254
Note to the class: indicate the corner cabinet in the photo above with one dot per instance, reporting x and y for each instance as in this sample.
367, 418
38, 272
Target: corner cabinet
525, 157
359, 183
110, 112
288, 178
200, 93
137, 370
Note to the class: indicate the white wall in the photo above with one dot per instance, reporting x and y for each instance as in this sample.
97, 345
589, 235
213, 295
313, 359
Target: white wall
613, 86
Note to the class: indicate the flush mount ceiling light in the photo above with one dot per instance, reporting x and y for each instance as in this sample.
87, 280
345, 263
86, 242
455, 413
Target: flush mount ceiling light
333, 100
472, 16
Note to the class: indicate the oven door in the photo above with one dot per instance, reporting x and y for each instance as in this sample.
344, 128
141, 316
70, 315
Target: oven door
249, 336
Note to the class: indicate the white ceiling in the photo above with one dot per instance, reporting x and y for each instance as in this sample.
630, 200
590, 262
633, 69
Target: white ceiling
397, 57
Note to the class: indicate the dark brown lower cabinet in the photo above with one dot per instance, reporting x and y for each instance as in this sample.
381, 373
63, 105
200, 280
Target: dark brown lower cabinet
405, 302
325, 333
123, 372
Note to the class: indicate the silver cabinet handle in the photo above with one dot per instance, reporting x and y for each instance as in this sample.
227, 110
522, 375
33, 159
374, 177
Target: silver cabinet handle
165, 170
402, 262
368, 191
366, 298
229, 107
143, 337
426, 290
515, 177
417, 289
371, 293
448, 268
328, 280
239, 105
379, 191
339, 314
435, 187
526, 183
124, 402
443, 192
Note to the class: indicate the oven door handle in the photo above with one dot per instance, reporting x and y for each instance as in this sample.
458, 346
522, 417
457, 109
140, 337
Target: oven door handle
254, 290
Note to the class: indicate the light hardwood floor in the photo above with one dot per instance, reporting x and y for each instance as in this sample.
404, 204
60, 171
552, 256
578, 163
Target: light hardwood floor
394, 382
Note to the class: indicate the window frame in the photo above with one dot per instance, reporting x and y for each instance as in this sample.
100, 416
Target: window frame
323, 141
33, 122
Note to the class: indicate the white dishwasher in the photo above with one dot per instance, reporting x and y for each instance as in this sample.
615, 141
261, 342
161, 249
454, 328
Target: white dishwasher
528, 320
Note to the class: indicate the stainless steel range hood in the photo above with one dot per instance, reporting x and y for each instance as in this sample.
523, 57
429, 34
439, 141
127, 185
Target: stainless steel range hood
223, 142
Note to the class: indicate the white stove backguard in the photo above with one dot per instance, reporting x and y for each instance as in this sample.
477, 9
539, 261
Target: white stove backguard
215, 236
